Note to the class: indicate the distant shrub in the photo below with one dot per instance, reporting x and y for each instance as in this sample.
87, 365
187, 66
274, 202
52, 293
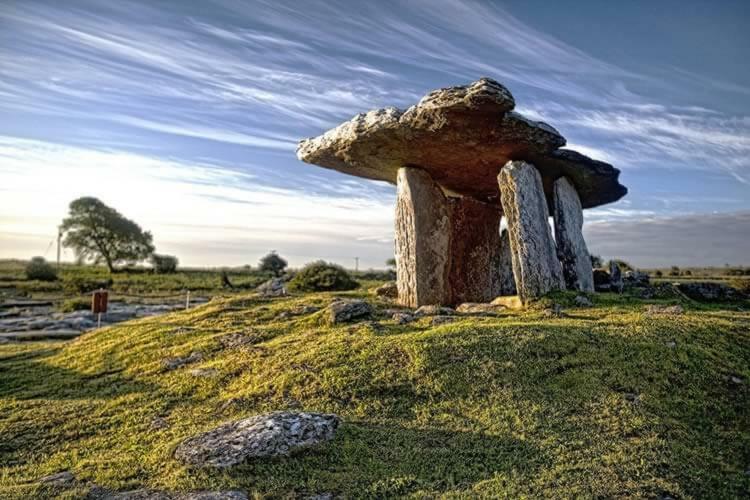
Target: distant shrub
272, 263
376, 275
658, 274
674, 271
687, 272
77, 304
321, 276
39, 269
82, 284
163, 264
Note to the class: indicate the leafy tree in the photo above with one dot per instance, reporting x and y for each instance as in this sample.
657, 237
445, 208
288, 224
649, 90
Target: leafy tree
273, 263
391, 262
40, 269
100, 233
163, 264
596, 261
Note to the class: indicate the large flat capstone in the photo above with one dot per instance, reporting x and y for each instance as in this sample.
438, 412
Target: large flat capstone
461, 136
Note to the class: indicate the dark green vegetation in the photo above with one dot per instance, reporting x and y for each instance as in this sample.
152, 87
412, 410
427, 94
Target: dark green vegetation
40, 270
609, 401
272, 263
321, 276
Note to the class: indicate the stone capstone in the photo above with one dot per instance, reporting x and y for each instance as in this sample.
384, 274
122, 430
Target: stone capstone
571, 247
268, 435
422, 239
461, 136
344, 311
535, 266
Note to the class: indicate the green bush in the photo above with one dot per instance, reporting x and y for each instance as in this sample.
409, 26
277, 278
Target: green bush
39, 269
321, 276
77, 304
163, 264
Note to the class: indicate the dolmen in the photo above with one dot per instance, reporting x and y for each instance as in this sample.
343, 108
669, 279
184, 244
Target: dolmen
462, 159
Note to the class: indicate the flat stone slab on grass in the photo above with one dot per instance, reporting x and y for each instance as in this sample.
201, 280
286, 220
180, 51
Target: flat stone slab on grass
268, 435
343, 311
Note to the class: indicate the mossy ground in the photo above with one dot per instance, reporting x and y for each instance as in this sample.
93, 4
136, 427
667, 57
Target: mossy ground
607, 402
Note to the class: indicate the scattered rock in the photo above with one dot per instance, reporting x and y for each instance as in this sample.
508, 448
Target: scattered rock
554, 312
707, 291
275, 287
236, 340
632, 397
63, 478
204, 372
159, 423
389, 290
433, 311
304, 310
344, 311
583, 301
174, 363
480, 309
268, 435
657, 309
441, 320
402, 318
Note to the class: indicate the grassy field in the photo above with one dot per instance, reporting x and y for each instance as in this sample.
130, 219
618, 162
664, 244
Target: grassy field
606, 402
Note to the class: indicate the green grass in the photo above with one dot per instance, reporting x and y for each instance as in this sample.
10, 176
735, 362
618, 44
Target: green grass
596, 404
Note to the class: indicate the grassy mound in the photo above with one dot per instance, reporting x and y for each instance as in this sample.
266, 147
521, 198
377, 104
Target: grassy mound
607, 402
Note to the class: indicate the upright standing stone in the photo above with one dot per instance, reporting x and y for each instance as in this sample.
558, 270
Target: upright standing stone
422, 239
535, 265
615, 276
571, 247
474, 251
507, 281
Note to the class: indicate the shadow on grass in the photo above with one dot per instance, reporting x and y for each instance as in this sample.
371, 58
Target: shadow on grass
382, 461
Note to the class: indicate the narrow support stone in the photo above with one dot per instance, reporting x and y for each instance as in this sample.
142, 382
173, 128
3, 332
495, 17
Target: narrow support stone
571, 247
422, 239
474, 251
507, 280
535, 265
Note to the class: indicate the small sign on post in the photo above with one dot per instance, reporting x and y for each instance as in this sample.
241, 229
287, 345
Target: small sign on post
99, 305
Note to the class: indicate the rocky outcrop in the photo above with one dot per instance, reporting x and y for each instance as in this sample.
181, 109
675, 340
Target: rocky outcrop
474, 251
344, 311
507, 281
422, 239
480, 309
535, 266
275, 287
571, 247
707, 291
268, 435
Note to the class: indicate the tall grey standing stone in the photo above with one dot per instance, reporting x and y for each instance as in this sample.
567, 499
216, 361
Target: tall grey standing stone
571, 247
474, 251
535, 265
615, 276
507, 280
422, 239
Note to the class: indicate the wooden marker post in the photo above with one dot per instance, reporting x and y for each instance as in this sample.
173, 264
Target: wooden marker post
99, 305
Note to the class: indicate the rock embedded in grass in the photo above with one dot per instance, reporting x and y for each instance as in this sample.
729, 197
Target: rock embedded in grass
433, 311
402, 318
666, 310
389, 290
344, 311
480, 309
275, 287
268, 435
174, 363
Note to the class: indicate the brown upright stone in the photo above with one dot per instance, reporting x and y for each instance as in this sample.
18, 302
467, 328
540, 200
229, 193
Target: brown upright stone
474, 251
535, 265
422, 239
571, 247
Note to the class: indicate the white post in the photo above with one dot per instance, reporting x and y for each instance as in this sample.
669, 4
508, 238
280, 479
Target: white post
99, 320
187, 300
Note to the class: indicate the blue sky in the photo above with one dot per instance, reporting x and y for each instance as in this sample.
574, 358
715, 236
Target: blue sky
185, 116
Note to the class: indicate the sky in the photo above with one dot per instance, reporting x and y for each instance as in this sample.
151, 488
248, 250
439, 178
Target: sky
185, 116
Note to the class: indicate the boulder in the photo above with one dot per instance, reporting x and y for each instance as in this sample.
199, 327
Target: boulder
344, 311
422, 239
615, 277
707, 291
571, 247
261, 436
389, 290
535, 266
668, 310
433, 310
635, 278
461, 136
583, 301
402, 318
275, 287
480, 309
